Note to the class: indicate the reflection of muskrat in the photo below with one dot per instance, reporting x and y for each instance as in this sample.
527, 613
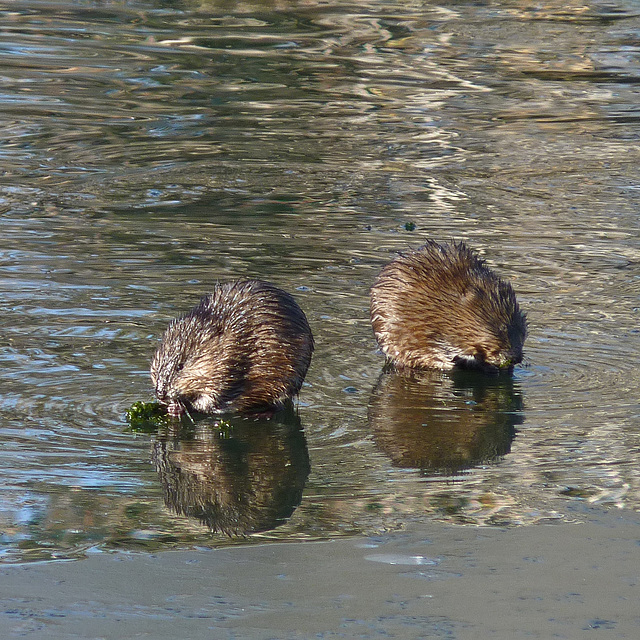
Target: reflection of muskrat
443, 422
441, 307
235, 475
246, 347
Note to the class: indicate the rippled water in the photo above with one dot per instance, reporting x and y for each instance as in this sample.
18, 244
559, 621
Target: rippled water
152, 148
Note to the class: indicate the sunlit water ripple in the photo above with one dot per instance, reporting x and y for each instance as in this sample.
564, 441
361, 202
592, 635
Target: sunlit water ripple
149, 151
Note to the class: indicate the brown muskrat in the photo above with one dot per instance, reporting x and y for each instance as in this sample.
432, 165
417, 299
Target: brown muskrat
244, 348
441, 307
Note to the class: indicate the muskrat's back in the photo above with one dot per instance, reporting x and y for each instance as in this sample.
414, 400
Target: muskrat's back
441, 307
246, 347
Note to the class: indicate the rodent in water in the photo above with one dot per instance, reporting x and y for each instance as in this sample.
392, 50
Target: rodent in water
441, 307
245, 348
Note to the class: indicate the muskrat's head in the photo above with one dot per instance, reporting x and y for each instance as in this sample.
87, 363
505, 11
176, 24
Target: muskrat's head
493, 330
165, 370
189, 363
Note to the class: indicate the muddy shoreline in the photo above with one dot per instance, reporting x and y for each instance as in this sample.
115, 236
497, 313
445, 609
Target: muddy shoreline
432, 581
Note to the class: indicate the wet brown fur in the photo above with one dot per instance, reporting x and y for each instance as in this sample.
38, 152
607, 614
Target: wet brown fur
441, 307
246, 347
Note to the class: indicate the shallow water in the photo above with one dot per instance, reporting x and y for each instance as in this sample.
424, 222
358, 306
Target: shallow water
152, 148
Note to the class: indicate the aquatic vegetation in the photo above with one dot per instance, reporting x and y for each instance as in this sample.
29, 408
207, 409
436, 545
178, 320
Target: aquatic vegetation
147, 417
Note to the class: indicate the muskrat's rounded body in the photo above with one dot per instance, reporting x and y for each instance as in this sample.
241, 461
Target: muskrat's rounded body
244, 348
441, 307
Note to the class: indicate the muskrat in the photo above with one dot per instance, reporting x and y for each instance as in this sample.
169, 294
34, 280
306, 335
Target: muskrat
244, 348
441, 307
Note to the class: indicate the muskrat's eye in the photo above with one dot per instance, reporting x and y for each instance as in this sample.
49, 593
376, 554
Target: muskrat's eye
179, 367
480, 354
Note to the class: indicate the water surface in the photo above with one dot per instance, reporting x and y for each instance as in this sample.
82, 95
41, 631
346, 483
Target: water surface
150, 149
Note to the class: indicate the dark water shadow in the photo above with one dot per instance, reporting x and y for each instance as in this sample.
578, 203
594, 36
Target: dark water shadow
236, 476
444, 423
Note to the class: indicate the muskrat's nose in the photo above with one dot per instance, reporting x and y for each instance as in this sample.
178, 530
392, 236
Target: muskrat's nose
514, 358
